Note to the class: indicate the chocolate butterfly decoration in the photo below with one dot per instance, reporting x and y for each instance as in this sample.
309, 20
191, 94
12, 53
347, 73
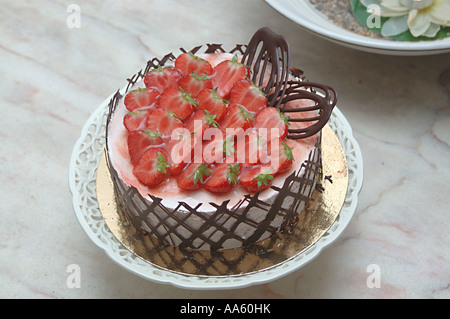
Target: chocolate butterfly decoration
268, 49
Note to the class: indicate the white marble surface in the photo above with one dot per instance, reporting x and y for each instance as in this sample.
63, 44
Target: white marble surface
54, 77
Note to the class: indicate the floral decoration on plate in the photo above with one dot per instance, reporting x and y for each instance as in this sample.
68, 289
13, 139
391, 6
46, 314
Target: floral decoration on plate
405, 20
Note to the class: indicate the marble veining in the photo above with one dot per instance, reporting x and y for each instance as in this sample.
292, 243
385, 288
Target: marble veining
55, 76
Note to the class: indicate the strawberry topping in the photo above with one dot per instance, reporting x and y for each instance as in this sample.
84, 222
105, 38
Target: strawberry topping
193, 176
252, 149
194, 83
164, 122
227, 73
223, 178
162, 78
257, 178
211, 101
180, 150
215, 150
179, 102
189, 63
246, 93
136, 119
271, 118
140, 140
152, 168
285, 158
205, 127
200, 121
237, 117
139, 98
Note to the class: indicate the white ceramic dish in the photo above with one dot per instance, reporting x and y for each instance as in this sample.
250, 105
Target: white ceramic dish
304, 14
85, 159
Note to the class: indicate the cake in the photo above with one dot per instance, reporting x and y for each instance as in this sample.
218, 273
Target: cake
214, 150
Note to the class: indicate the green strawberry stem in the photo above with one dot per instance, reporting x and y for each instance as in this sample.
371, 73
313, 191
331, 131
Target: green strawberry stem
217, 96
188, 97
233, 172
202, 170
228, 146
263, 178
288, 151
151, 133
174, 115
283, 117
246, 115
162, 163
211, 119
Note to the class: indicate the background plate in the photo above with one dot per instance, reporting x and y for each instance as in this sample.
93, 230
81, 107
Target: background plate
86, 157
304, 14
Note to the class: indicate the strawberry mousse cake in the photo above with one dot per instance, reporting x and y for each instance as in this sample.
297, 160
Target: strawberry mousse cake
200, 160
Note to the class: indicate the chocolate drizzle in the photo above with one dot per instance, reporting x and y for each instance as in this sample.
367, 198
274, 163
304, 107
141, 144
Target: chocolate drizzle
316, 115
272, 49
217, 229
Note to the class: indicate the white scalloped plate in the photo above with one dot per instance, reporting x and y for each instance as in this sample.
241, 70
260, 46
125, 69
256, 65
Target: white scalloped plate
85, 159
305, 15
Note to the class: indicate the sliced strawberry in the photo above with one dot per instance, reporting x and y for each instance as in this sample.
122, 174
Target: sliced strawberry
237, 117
257, 178
189, 63
223, 178
193, 83
200, 121
140, 98
161, 78
177, 101
246, 93
140, 140
136, 119
285, 158
180, 151
193, 176
163, 122
211, 101
215, 151
227, 73
152, 168
229, 146
272, 118
252, 149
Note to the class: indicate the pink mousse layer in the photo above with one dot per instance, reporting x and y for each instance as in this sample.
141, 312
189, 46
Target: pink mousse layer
169, 191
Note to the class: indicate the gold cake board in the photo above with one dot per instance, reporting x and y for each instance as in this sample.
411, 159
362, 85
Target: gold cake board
313, 222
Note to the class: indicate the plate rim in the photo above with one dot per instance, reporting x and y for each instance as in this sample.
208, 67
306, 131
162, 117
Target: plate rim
157, 274
357, 41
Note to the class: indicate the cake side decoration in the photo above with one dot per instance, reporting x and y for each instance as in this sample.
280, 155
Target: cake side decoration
205, 221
